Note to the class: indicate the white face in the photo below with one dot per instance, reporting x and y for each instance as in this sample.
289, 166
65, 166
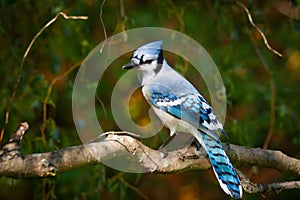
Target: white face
145, 61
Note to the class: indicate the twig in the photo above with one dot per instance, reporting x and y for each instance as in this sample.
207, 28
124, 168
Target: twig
272, 113
112, 133
12, 148
23, 61
254, 188
123, 17
273, 93
102, 24
101, 104
100, 186
135, 189
43, 127
258, 29
178, 16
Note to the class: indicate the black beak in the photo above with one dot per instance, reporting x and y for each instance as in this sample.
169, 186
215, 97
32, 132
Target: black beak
129, 65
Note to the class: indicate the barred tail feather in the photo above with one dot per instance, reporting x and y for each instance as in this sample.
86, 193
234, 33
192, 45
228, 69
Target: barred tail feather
223, 169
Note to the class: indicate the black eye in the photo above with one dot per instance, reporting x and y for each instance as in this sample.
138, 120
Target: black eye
147, 62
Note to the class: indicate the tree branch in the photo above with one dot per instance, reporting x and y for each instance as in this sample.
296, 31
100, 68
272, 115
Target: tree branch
117, 143
254, 188
258, 29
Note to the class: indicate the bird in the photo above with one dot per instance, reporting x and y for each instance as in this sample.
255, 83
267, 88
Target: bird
182, 109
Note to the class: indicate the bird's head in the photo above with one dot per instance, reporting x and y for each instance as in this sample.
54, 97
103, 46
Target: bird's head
148, 58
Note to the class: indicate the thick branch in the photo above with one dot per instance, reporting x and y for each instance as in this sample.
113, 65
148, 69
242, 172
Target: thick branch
51, 163
116, 144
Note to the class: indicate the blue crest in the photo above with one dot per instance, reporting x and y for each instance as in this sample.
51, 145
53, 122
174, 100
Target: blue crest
151, 46
152, 49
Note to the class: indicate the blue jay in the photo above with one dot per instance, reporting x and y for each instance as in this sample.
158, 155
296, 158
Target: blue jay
182, 109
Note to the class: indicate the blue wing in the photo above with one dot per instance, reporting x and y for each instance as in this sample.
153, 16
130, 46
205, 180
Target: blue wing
191, 108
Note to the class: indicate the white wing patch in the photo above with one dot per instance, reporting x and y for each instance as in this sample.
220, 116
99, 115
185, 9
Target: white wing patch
170, 103
209, 126
213, 125
205, 105
212, 116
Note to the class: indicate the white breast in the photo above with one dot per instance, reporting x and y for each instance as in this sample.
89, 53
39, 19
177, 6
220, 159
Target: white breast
174, 124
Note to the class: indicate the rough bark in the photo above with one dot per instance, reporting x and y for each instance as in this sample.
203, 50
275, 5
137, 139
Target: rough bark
14, 164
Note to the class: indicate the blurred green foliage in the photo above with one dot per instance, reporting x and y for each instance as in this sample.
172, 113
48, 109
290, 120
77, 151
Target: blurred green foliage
248, 69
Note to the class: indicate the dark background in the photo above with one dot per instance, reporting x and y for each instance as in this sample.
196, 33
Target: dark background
254, 78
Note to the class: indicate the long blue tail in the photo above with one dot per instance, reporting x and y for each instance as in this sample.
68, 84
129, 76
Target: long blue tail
224, 171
